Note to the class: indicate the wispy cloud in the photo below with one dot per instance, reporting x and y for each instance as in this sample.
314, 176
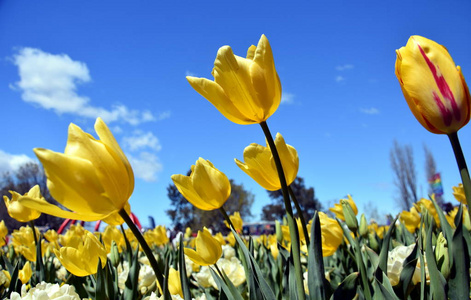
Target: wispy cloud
141, 140
51, 81
146, 165
11, 162
370, 111
188, 73
287, 98
344, 67
339, 78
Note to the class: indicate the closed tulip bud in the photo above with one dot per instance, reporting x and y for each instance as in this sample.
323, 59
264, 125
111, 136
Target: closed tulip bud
260, 165
82, 258
92, 178
279, 232
207, 188
363, 226
18, 211
442, 256
236, 221
338, 208
174, 283
433, 85
373, 242
244, 90
114, 254
25, 273
208, 249
350, 216
3, 233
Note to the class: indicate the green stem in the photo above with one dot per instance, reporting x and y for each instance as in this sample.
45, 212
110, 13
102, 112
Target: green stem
220, 273
226, 217
300, 213
460, 160
31, 223
293, 228
144, 245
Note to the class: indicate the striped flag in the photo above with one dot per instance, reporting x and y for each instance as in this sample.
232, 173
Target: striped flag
436, 184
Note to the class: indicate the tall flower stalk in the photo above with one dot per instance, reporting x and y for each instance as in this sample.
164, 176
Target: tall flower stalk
144, 245
462, 166
293, 229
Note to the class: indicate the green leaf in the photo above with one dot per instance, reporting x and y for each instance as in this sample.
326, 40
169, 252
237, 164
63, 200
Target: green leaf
182, 269
459, 273
315, 264
408, 270
348, 288
259, 280
383, 255
131, 290
226, 286
100, 288
437, 281
381, 292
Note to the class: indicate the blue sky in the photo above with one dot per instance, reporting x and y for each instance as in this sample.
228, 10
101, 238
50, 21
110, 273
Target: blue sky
127, 60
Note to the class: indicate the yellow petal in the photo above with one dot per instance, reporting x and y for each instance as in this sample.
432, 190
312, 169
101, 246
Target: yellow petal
215, 94
73, 182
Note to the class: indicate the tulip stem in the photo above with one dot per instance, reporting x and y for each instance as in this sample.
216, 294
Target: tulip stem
300, 213
293, 228
461, 161
144, 245
226, 217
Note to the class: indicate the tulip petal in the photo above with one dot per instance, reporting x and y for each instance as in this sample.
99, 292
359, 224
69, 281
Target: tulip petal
108, 139
110, 169
73, 182
214, 93
195, 257
185, 187
210, 183
71, 259
50, 209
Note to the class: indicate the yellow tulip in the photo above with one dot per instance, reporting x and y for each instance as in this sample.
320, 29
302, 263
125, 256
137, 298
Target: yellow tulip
411, 219
3, 233
208, 249
174, 283
338, 210
244, 90
156, 236
332, 234
110, 234
18, 211
236, 221
25, 273
82, 259
92, 178
259, 163
458, 192
424, 205
433, 85
207, 188
23, 242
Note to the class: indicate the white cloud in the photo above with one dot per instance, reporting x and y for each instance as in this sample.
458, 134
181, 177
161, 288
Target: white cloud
163, 115
287, 98
140, 140
51, 81
11, 162
145, 166
344, 67
188, 73
370, 111
339, 78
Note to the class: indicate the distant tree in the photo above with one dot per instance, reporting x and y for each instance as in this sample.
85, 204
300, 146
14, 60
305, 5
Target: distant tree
21, 181
305, 196
183, 214
402, 164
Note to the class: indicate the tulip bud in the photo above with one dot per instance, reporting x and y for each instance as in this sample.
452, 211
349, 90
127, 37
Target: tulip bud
363, 226
433, 86
373, 243
114, 254
350, 217
279, 232
442, 256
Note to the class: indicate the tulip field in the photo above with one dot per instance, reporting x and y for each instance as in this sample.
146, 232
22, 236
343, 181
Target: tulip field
423, 253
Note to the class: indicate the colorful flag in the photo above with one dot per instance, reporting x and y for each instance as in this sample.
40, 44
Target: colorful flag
436, 184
